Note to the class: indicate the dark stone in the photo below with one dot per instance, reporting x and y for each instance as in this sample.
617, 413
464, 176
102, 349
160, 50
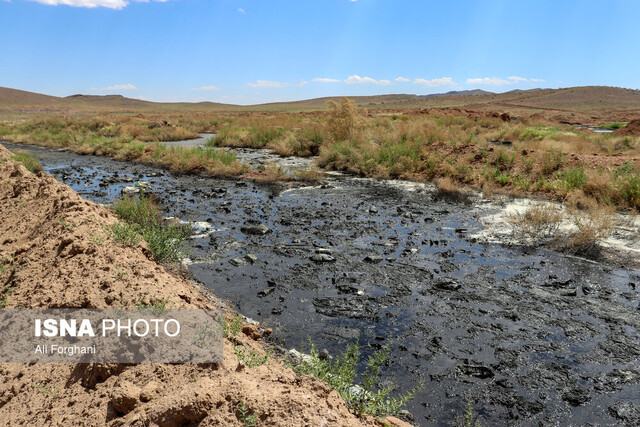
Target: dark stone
628, 412
577, 396
255, 230
319, 258
446, 284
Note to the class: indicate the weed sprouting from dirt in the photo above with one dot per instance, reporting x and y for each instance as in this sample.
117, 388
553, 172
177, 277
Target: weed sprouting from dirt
142, 220
27, 159
156, 308
250, 357
232, 327
340, 375
245, 415
47, 390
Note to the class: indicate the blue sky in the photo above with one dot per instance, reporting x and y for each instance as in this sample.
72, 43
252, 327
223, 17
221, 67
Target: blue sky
252, 51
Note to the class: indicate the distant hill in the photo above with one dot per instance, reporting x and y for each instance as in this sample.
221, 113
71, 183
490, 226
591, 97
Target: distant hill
586, 99
14, 97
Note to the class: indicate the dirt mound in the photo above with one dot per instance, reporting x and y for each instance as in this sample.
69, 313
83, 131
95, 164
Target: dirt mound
472, 114
632, 129
55, 253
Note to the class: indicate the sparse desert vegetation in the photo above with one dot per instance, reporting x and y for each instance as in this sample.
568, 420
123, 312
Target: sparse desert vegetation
530, 154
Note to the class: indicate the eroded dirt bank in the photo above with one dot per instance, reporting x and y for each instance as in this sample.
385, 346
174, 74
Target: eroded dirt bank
55, 253
531, 335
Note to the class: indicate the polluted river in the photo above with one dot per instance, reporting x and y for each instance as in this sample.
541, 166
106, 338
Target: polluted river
530, 336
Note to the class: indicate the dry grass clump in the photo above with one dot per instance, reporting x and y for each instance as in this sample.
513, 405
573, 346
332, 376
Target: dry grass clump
271, 172
204, 160
593, 222
311, 175
448, 189
537, 224
344, 120
579, 230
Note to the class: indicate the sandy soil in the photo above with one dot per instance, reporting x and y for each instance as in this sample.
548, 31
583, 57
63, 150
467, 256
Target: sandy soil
55, 254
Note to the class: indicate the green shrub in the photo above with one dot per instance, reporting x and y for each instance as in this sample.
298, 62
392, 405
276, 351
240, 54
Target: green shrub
340, 375
167, 242
573, 178
141, 210
27, 159
539, 133
125, 234
551, 161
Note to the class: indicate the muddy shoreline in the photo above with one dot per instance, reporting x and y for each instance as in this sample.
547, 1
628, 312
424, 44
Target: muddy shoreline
531, 335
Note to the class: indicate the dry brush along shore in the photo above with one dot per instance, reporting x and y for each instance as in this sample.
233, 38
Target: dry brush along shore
55, 253
536, 154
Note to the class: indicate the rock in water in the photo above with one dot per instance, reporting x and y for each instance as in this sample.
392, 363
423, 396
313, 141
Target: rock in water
322, 258
446, 284
255, 230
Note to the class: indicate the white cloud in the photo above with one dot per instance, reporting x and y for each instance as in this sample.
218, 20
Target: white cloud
323, 80
241, 10
488, 81
267, 83
402, 79
444, 81
212, 87
516, 79
111, 4
127, 86
355, 79
494, 81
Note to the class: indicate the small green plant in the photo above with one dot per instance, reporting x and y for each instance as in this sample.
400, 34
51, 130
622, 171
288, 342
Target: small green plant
206, 334
139, 210
119, 274
166, 242
27, 159
340, 375
470, 419
96, 240
551, 161
232, 327
125, 234
157, 307
65, 225
250, 358
505, 160
573, 178
45, 389
245, 416
142, 220
4, 265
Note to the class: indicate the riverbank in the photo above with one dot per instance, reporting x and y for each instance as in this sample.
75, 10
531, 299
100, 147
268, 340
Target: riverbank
55, 253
